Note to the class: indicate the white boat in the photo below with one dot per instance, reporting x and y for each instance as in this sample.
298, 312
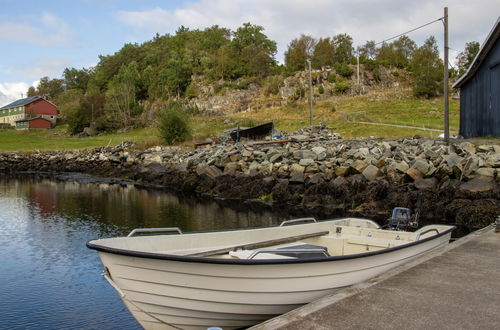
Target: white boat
238, 278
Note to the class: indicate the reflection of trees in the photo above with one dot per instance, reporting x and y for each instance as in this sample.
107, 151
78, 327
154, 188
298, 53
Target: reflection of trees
113, 209
176, 215
43, 197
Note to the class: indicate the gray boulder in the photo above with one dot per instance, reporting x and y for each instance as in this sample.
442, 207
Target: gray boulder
371, 172
479, 184
426, 184
304, 154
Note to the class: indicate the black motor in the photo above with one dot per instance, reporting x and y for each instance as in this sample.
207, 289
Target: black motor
402, 219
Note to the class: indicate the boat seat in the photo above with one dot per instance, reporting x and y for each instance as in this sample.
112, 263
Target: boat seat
282, 253
378, 242
245, 254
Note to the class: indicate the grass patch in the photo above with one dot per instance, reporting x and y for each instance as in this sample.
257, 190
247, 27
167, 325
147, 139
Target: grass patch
391, 107
56, 139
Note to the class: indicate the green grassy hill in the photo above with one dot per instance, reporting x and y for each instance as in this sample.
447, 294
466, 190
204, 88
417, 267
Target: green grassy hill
342, 114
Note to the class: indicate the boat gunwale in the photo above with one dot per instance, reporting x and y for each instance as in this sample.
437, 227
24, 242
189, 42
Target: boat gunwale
194, 259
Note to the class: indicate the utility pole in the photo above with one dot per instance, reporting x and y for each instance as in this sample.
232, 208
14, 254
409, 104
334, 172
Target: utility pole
310, 94
445, 89
357, 59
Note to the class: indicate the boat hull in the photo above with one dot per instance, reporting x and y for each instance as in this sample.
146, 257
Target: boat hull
193, 295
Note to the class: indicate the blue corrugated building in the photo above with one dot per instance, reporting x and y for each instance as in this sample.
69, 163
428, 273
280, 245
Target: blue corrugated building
480, 90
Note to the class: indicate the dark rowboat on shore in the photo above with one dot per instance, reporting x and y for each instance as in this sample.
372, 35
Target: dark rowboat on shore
254, 132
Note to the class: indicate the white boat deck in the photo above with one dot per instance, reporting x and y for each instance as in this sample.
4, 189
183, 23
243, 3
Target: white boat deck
339, 241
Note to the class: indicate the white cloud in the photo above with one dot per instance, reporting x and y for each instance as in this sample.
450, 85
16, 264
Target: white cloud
48, 30
45, 66
9, 92
154, 19
364, 20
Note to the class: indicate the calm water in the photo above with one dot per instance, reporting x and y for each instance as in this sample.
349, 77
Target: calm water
49, 279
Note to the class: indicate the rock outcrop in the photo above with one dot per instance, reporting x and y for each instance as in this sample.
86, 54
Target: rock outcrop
223, 97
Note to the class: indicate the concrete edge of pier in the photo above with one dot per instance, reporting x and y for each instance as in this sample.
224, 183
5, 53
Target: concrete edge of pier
324, 308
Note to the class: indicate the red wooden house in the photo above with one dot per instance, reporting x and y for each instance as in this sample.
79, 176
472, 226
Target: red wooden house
34, 107
37, 122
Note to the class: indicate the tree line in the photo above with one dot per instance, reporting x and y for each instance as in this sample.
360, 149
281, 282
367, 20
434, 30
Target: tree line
113, 94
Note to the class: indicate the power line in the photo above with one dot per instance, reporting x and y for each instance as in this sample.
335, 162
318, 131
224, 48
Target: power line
402, 34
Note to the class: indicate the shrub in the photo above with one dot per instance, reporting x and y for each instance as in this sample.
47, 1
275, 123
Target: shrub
77, 121
344, 69
104, 123
370, 64
342, 86
273, 87
321, 89
173, 124
190, 91
332, 78
300, 93
374, 67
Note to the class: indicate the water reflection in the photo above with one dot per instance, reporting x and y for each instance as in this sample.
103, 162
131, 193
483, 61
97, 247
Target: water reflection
49, 279
121, 208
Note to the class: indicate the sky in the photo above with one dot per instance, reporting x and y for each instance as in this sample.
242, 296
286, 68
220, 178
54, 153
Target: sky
42, 38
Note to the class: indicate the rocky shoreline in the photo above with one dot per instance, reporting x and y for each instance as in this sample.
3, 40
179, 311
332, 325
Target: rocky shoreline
310, 172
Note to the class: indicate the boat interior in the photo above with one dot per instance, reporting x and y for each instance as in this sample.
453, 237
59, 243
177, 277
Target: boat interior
340, 241
288, 241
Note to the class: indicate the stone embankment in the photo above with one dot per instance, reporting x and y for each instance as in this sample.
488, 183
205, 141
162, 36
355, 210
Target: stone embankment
309, 172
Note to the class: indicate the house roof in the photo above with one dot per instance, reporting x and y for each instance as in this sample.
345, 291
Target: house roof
21, 102
30, 119
481, 55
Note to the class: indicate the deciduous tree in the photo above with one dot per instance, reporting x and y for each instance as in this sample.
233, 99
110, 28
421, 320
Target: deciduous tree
76, 79
465, 58
255, 51
31, 91
323, 54
343, 48
298, 52
49, 88
368, 50
121, 95
427, 70
398, 53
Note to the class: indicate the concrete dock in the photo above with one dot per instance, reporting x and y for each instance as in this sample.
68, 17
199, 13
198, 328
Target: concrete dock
455, 288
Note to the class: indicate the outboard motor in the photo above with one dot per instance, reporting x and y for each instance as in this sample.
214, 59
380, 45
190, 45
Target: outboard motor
402, 219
